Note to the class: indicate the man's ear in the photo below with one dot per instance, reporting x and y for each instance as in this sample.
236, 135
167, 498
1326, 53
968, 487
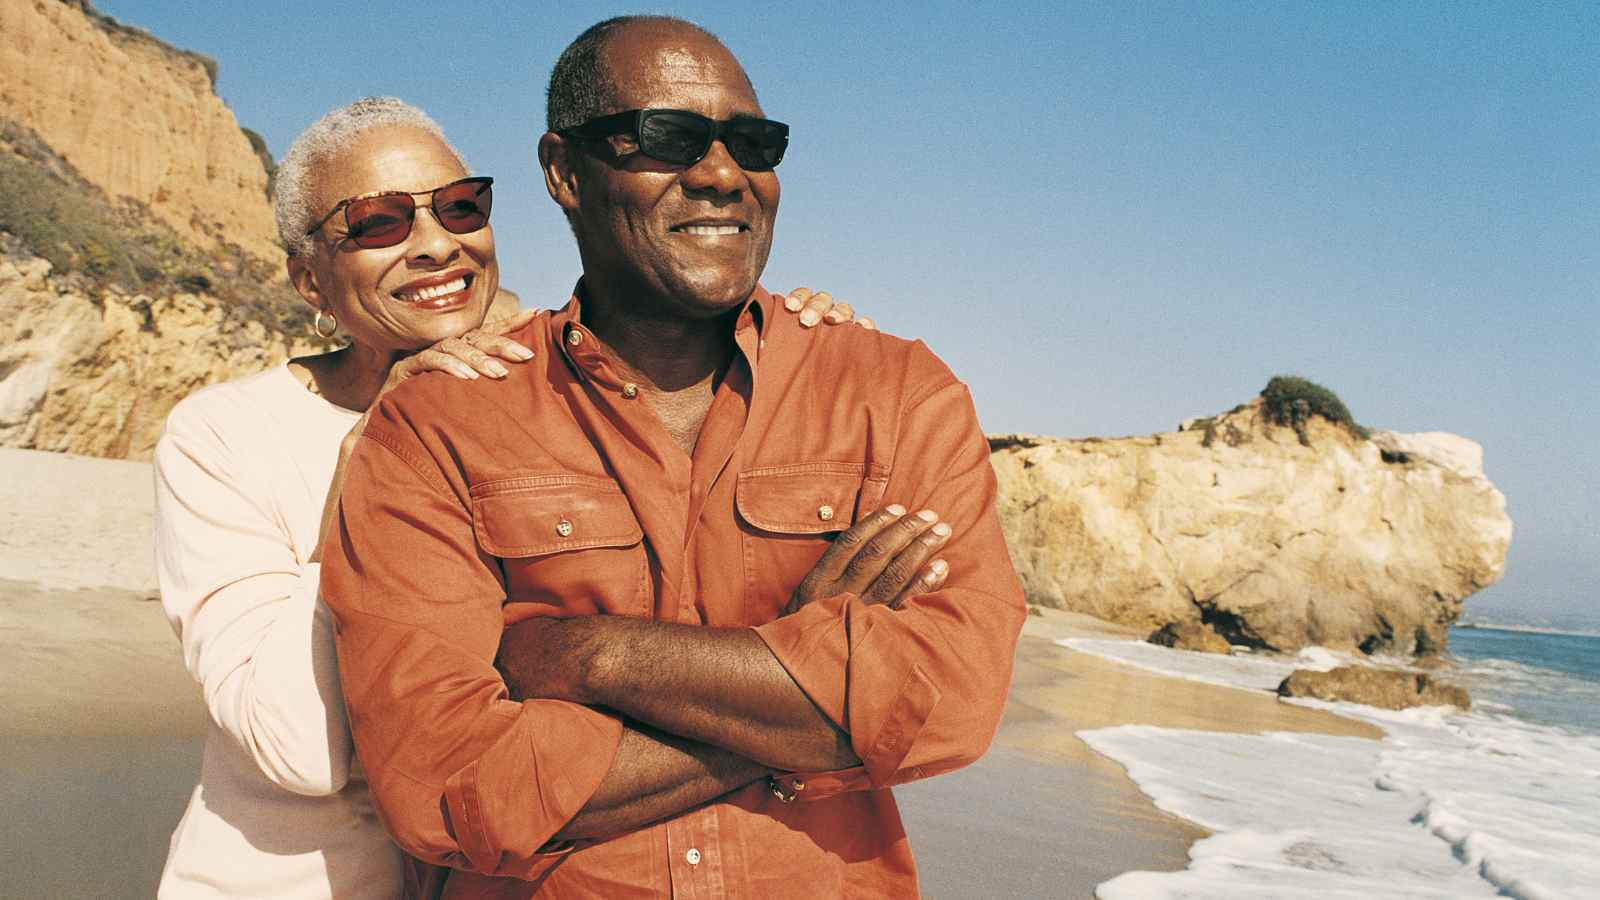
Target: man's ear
304, 279
557, 159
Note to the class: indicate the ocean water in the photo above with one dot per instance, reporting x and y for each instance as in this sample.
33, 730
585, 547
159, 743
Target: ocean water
1503, 801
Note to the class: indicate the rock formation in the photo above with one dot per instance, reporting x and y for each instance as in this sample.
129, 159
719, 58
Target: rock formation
139, 119
1371, 686
95, 371
1235, 523
1190, 635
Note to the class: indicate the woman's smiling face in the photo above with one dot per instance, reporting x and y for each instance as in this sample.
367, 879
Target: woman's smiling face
432, 285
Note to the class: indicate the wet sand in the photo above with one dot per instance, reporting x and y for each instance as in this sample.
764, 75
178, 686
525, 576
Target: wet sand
1044, 816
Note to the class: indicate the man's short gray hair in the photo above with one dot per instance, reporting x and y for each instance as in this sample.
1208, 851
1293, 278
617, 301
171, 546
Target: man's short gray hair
328, 137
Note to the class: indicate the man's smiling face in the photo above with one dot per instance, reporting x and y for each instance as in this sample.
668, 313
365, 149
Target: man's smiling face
692, 239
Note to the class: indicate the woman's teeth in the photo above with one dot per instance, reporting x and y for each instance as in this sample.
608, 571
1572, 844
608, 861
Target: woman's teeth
429, 293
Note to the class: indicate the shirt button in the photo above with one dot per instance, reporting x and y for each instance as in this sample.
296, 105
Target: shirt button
825, 513
630, 390
564, 528
574, 337
693, 856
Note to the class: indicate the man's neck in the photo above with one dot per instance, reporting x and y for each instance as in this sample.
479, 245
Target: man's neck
677, 362
663, 353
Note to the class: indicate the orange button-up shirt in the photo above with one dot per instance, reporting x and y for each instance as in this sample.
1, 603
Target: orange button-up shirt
470, 505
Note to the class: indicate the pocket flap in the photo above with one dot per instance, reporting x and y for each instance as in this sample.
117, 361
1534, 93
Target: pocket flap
540, 514
806, 498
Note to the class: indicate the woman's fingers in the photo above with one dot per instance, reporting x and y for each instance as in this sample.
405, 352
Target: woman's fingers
498, 345
816, 306
867, 323
432, 359
511, 323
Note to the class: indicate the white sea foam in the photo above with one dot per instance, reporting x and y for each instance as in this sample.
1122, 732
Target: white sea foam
1447, 805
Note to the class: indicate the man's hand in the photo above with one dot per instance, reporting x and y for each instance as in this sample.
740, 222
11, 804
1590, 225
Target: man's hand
879, 559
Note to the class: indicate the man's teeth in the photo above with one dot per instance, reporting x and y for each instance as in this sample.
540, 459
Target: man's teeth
711, 229
438, 290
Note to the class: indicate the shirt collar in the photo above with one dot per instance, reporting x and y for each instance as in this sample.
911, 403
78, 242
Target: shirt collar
582, 351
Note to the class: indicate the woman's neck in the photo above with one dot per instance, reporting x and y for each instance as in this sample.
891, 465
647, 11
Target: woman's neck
350, 377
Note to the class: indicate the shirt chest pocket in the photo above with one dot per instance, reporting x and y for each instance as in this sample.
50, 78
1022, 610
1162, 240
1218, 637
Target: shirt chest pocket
789, 515
569, 543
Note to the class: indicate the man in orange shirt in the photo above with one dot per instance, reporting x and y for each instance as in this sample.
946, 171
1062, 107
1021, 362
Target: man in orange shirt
721, 652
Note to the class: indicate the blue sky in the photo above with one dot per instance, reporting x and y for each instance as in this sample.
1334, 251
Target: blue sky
1108, 218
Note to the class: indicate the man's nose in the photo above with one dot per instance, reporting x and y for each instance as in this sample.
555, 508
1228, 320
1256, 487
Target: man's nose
716, 171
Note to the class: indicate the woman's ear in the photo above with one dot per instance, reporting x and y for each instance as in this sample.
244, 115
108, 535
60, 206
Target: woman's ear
304, 279
556, 160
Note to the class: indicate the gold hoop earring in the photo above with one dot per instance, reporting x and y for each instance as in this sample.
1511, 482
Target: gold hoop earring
316, 324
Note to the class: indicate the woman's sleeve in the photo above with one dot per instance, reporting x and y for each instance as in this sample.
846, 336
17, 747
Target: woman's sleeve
245, 608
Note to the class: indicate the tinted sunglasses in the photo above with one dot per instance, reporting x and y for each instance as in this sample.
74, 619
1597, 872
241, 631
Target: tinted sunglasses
684, 138
384, 219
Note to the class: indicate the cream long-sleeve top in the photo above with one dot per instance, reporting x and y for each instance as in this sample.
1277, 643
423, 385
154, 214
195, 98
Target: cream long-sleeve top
281, 811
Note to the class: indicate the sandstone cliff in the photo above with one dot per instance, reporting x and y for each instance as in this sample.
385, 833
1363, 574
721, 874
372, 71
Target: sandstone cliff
139, 119
111, 317
1239, 525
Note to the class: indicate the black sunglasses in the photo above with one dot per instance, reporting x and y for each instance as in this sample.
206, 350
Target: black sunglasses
684, 138
384, 219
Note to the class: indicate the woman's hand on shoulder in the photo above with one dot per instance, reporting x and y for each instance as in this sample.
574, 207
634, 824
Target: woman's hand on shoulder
477, 353
819, 306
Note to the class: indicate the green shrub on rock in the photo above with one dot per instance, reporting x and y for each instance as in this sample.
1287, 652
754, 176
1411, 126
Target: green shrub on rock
1291, 401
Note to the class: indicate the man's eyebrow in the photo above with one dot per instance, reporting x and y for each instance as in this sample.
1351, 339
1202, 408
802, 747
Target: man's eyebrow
744, 115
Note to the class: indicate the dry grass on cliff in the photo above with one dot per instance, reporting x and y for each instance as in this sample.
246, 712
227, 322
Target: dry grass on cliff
51, 211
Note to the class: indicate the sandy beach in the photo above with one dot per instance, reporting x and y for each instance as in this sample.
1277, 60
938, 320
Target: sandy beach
99, 723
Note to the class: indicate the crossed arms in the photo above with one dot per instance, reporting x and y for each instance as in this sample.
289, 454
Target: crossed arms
625, 720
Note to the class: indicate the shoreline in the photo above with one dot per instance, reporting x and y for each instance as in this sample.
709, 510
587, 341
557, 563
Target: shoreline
109, 754
104, 724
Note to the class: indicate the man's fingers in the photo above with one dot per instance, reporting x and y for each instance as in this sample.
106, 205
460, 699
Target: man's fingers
844, 547
906, 565
930, 579
496, 345
880, 553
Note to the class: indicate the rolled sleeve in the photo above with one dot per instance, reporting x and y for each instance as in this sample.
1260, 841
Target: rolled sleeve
462, 775
920, 690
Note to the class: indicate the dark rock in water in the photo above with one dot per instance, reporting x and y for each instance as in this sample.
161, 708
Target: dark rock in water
1190, 636
1383, 688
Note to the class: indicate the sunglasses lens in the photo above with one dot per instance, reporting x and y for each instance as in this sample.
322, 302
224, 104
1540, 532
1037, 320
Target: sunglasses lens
756, 144
380, 221
464, 206
675, 137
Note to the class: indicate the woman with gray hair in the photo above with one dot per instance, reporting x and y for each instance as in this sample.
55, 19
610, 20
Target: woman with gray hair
388, 238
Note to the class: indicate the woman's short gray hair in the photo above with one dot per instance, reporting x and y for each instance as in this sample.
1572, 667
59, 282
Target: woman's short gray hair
328, 137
